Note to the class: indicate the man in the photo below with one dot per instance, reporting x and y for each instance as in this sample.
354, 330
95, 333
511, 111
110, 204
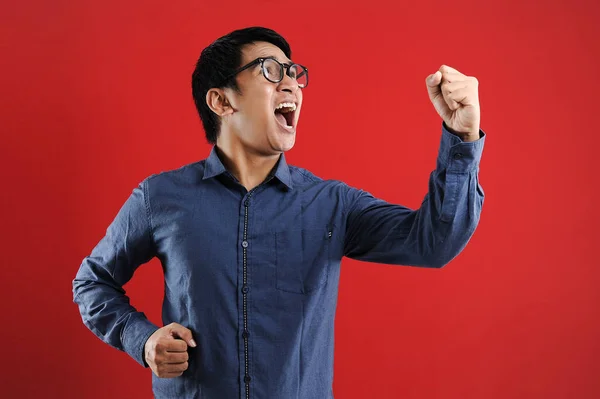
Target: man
251, 247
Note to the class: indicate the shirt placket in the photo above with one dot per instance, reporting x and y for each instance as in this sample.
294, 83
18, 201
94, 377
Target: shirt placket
246, 207
245, 289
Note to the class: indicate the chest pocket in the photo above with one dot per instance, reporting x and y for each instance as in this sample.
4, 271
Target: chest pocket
303, 258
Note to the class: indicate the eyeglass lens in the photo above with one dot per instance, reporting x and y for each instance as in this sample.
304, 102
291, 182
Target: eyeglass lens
274, 72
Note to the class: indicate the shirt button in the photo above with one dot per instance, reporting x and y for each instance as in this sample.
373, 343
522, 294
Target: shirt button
246, 203
247, 378
245, 288
458, 155
246, 334
245, 244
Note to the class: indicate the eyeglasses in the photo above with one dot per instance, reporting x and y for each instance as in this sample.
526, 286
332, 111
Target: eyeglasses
273, 70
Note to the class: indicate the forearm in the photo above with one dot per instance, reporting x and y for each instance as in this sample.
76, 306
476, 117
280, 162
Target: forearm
98, 285
455, 199
435, 233
107, 312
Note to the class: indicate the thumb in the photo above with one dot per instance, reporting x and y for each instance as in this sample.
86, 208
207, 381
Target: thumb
179, 331
434, 89
433, 83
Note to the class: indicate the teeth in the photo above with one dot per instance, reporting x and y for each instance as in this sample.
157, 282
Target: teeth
289, 107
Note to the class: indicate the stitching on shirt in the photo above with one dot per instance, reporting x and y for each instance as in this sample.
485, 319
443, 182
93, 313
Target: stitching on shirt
148, 210
456, 190
446, 225
126, 324
306, 174
470, 232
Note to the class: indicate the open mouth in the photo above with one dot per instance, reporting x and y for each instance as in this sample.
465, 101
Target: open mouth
285, 114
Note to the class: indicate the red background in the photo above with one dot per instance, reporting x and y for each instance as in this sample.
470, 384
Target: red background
95, 96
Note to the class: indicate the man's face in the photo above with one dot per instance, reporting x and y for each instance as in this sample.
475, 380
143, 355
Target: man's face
256, 121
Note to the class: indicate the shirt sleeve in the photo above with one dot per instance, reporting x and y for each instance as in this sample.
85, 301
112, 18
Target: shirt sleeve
98, 285
434, 234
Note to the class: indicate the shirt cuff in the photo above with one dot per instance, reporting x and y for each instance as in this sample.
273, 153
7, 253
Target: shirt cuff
135, 335
459, 156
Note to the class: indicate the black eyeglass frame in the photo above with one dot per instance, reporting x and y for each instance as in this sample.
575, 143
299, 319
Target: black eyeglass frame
286, 67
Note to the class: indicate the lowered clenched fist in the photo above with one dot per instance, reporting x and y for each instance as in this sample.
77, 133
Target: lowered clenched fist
166, 350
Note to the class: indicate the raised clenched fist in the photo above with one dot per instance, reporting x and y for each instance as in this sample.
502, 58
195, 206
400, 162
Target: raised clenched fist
455, 97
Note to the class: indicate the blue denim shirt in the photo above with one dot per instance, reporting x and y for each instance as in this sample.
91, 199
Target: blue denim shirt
254, 275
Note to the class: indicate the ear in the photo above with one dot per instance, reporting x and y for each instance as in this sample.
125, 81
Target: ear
217, 101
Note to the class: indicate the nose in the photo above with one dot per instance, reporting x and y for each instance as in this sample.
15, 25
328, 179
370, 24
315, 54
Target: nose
288, 84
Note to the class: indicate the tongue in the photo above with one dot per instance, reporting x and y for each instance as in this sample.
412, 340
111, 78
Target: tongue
281, 118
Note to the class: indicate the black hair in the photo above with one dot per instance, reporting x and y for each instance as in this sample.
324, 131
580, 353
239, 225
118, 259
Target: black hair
218, 61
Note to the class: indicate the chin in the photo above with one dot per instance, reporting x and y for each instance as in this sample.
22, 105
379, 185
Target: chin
283, 142
287, 148
288, 143
282, 147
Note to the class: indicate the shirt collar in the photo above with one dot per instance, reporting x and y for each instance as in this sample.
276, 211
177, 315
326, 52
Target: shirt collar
214, 167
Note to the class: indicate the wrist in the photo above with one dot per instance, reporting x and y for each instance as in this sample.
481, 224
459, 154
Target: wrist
471, 135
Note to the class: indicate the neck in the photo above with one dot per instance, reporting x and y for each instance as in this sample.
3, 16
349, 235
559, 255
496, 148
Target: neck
249, 167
